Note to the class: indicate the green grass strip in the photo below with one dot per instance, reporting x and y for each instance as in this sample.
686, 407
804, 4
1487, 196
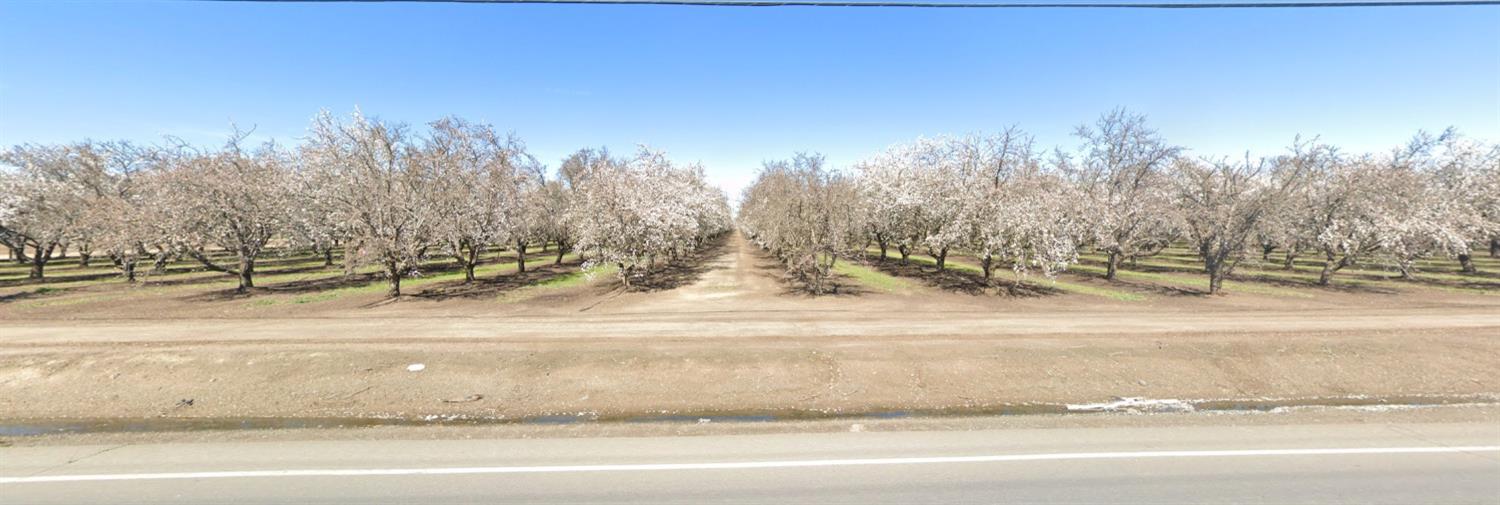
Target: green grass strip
556, 283
1199, 283
1085, 289
872, 278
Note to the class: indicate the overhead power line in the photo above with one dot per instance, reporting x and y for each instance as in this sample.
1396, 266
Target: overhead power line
941, 5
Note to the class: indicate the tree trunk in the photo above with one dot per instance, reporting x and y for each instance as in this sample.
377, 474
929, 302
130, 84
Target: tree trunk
394, 272
1265, 252
468, 261
1291, 260
521, 257
1495, 248
987, 264
1114, 265
246, 273
883, 248
905, 253
129, 268
39, 261
1215, 281
1214, 267
560, 252
1467, 263
942, 259
328, 256
83, 259
1328, 269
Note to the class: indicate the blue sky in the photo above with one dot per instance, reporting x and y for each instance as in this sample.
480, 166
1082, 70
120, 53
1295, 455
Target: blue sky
732, 87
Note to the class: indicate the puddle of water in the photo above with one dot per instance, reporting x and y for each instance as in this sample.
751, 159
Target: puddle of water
38, 427
747, 418
556, 419
1271, 405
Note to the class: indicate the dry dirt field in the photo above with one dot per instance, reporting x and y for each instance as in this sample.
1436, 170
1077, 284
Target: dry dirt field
728, 336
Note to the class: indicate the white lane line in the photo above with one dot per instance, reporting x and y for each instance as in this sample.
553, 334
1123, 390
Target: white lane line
746, 464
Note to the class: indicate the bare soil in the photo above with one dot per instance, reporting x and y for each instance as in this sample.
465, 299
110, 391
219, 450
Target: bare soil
725, 334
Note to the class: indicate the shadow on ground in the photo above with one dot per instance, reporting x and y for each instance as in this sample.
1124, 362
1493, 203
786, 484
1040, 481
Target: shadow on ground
685, 270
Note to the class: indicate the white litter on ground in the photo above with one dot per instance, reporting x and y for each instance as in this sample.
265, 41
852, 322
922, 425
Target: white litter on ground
1142, 405
415, 367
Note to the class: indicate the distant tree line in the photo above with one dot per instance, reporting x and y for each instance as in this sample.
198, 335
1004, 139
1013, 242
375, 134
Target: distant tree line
385, 194
1127, 193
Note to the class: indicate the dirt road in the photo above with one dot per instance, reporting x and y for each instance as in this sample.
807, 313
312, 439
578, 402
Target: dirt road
731, 337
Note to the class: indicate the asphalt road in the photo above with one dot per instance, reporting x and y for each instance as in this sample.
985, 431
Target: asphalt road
1339, 463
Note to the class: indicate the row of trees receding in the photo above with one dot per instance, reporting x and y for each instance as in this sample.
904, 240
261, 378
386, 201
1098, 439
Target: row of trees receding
382, 193
1128, 193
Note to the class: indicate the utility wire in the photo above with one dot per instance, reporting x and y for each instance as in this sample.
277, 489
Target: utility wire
942, 5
